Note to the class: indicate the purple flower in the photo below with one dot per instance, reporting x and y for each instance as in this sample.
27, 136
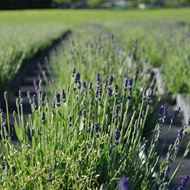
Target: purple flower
117, 136
100, 90
149, 95
110, 80
98, 79
183, 183
57, 99
109, 90
77, 78
116, 89
84, 88
117, 109
35, 102
180, 134
96, 128
123, 183
179, 137
42, 99
163, 114
129, 83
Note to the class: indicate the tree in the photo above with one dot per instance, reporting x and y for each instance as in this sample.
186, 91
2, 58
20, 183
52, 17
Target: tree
94, 3
65, 2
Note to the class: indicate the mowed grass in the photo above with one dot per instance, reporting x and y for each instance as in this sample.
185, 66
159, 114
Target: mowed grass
74, 17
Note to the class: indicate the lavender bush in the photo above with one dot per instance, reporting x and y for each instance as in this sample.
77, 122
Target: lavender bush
89, 133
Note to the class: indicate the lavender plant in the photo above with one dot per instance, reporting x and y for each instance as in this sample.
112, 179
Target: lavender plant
90, 132
85, 142
21, 42
166, 44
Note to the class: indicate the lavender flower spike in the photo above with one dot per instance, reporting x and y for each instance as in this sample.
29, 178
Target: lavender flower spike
110, 80
96, 128
117, 109
98, 79
77, 78
179, 137
35, 102
163, 114
117, 136
123, 183
183, 183
57, 99
109, 91
116, 89
129, 83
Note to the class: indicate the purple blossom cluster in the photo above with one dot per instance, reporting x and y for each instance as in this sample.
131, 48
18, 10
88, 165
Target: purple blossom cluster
127, 85
117, 110
163, 113
57, 99
117, 136
123, 183
183, 183
96, 128
179, 137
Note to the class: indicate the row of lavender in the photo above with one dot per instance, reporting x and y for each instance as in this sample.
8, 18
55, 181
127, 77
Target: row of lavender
166, 45
97, 129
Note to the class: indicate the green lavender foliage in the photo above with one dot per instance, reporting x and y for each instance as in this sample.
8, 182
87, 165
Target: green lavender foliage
166, 44
21, 42
78, 141
65, 152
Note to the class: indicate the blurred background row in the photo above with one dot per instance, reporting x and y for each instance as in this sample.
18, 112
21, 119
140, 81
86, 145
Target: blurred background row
142, 4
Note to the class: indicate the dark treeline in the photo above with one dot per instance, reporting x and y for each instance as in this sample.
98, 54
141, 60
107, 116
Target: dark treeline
25, 4
31, 4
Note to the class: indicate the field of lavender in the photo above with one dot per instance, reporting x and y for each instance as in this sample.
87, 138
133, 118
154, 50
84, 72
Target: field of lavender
96, 122
166, 46
21, 42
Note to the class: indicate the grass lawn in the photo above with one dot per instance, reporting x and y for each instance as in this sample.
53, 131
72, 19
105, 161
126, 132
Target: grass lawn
73, 17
